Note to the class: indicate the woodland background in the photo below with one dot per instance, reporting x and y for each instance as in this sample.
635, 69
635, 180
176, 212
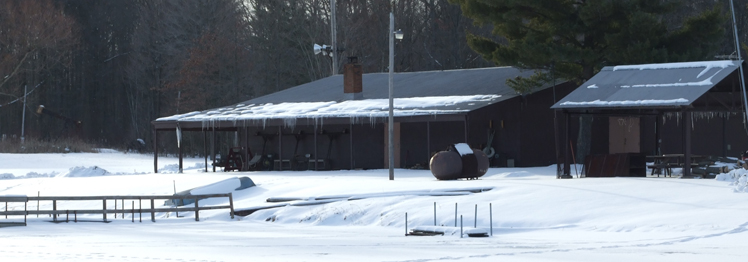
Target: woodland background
116, 65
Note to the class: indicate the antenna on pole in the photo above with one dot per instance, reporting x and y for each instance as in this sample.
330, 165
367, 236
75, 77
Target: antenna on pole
334, 36
740, 59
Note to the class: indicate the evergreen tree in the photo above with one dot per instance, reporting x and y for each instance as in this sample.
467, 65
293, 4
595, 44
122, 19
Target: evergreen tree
579, 37
576, 38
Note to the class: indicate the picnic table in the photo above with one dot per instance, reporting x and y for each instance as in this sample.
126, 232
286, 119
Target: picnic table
666, 162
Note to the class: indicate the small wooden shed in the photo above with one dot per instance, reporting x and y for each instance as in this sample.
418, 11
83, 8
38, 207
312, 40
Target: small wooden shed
652, 109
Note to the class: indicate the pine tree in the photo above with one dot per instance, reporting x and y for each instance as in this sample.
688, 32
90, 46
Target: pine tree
574, 39
579, 37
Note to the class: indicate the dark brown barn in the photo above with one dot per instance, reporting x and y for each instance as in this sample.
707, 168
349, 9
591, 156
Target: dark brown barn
693, 108
326, 124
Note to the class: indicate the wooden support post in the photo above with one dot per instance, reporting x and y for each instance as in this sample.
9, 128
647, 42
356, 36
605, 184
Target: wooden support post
25, 211
567, 156
428, 142
231, 204
132, 212
556, 141
687, 144
75, 216
212, 150
197, 211
153, 213
115, 209
54, 208
123, 208
350, 134
67, 216
316, 158
6, 210
181, 165
140, 209
280, 148
658, 135
104, 200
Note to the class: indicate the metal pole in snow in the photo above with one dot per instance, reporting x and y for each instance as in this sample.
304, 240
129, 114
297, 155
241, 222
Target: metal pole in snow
175, 201
475, 223
434, 213
490, 217
460, 226
406, 224
455, 214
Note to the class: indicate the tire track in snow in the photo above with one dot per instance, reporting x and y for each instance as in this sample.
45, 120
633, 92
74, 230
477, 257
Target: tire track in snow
57, 256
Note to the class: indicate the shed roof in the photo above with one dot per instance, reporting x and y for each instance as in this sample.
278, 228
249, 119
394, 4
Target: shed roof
430, 93
665, 85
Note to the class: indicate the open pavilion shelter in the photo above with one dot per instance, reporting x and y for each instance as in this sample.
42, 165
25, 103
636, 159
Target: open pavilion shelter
340, 122
686, 108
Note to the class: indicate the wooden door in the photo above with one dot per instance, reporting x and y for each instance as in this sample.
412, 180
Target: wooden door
624, 135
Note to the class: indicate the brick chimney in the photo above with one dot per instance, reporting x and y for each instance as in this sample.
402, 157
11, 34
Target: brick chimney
352, 79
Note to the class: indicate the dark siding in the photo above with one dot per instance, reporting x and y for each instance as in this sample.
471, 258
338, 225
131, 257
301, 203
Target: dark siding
413, 145
368, 146
444, 134
736, 136
524, 128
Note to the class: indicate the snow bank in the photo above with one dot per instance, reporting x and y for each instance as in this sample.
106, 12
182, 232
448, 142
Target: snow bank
91, 171
174, 168
738, 178
28, 175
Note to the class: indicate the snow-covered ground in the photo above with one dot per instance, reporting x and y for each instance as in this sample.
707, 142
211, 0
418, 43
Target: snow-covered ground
535, 216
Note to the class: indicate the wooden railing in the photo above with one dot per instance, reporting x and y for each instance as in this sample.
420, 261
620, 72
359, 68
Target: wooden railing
55, 213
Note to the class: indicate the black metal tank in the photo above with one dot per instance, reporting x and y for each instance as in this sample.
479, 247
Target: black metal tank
459, 161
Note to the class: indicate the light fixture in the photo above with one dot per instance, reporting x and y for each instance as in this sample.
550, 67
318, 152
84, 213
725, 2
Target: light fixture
324, 49
399, 34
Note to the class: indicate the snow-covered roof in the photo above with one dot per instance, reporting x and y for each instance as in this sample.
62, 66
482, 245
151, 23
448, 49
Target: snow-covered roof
649, 85
430, 93
369, 108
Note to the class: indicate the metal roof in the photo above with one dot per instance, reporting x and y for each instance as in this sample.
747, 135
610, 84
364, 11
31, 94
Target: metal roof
648, 86
449, 92
460, 82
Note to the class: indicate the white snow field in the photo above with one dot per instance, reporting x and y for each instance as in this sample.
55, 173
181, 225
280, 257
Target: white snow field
536, 217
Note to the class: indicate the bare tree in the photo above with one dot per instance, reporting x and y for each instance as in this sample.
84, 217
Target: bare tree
36, 41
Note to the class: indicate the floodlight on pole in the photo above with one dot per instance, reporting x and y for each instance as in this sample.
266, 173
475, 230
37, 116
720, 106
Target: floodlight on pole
323, 49
391, 122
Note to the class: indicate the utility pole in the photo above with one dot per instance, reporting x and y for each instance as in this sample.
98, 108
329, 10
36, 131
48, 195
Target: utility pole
23, 117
